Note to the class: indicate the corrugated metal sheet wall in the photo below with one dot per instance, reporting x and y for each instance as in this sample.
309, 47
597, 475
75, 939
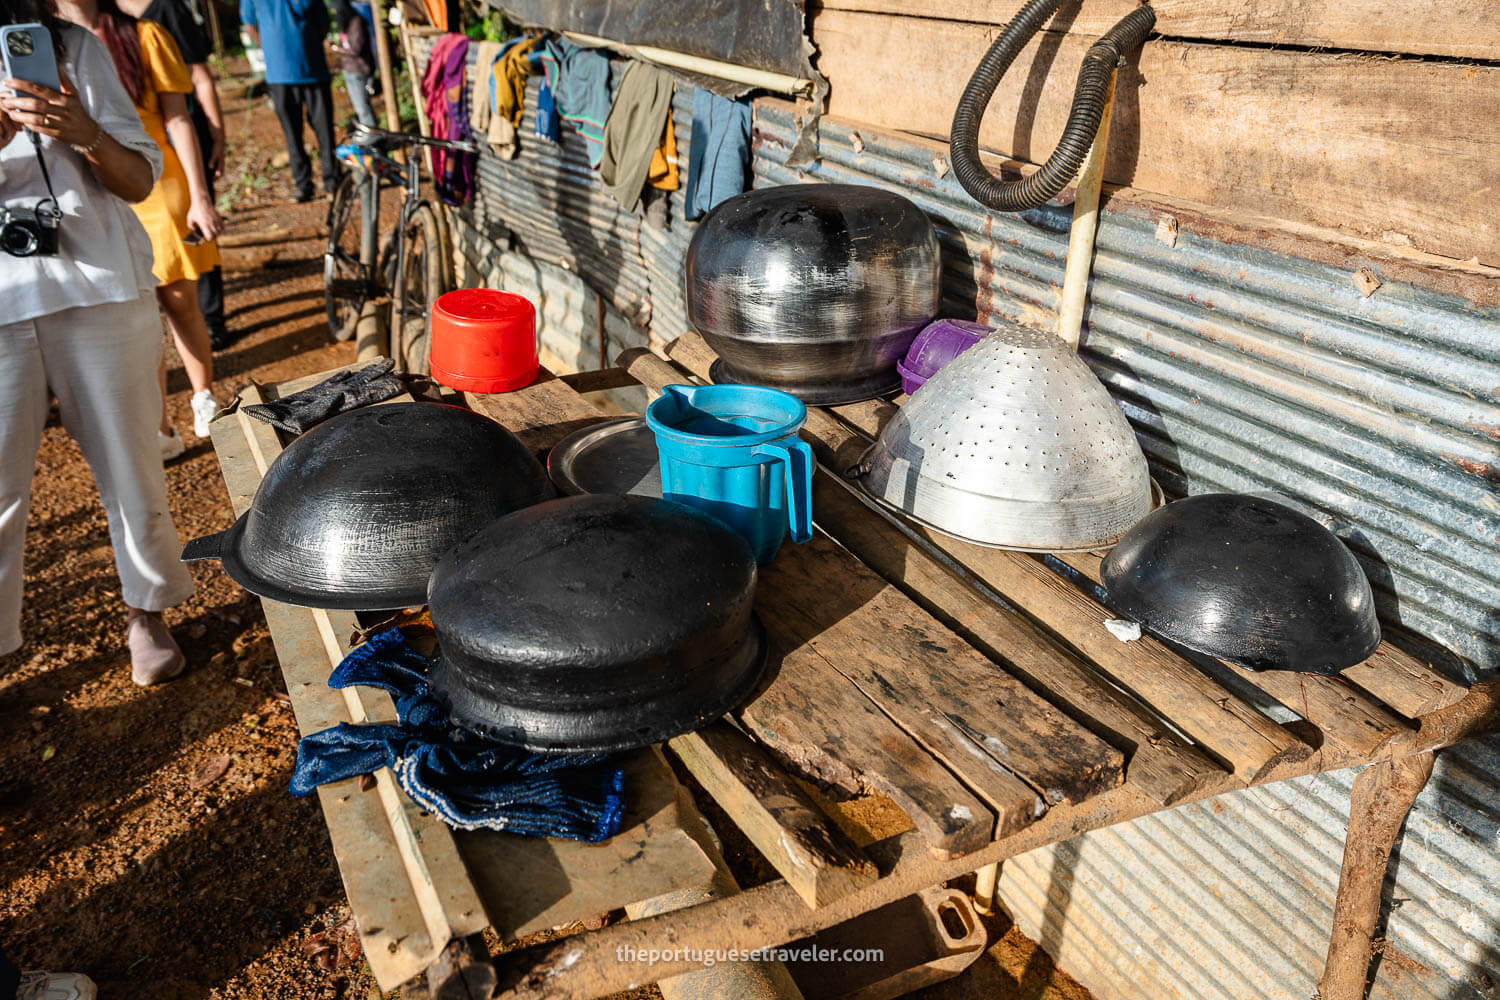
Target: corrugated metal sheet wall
1240, 370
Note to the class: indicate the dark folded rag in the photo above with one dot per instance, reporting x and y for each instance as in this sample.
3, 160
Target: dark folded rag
338, 393
468, 781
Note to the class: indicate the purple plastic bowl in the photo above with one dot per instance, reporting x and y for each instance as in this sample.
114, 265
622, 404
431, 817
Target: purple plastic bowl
939, 343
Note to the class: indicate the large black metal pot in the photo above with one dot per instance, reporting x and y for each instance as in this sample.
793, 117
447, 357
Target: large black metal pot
355, 513
1247, 580
817, 289
596, 623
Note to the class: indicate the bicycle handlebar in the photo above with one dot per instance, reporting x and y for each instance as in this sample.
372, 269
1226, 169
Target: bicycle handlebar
361, 131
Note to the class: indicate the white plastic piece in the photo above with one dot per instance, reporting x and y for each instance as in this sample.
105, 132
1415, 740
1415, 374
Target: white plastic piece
1125, 631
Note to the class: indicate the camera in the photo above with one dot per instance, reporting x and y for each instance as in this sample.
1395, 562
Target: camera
30, 232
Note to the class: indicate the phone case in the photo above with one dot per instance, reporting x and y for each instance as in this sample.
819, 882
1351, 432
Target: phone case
27, 52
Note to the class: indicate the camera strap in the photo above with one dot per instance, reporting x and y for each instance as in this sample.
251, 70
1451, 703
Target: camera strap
36, 144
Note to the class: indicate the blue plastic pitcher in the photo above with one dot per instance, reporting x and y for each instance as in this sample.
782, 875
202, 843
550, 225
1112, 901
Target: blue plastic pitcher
733, 451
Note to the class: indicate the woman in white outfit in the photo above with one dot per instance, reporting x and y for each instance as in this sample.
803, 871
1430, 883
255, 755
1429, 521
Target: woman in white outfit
83, 323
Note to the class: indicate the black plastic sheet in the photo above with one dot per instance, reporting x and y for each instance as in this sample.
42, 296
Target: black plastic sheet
761, 34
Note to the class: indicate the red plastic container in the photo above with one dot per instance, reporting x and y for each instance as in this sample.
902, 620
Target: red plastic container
483, 340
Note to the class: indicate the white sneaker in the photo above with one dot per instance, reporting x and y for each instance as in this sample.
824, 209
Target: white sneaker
204, 408
56, 986
171, 445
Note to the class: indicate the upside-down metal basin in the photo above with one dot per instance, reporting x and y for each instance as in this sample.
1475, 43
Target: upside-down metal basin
1015, 444
815, 289
1248, 580
596, 623
355, 513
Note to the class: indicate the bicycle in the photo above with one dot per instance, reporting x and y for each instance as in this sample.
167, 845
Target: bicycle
412, 266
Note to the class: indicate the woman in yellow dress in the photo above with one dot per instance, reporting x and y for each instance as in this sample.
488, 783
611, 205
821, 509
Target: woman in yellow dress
179, 214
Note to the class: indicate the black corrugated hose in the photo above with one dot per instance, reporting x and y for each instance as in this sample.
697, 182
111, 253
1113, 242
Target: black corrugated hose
1083, 120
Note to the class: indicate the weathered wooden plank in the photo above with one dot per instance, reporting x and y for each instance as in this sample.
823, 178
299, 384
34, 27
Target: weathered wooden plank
773, 811
931, 683
404, 920
1162, 765
772, 914
822, 726
1404, 682
1461, 28
541, 414
1343, 713
1227, 726
530, 884
1040, 744
1347, 143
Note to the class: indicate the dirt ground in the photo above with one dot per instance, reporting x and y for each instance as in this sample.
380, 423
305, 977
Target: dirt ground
146, 835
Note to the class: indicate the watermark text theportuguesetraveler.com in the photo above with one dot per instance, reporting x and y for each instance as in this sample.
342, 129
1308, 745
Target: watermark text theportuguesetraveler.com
708, 957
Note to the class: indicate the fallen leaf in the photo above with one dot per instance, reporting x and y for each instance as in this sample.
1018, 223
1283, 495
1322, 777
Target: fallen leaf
212, 770
252, 721
49, 751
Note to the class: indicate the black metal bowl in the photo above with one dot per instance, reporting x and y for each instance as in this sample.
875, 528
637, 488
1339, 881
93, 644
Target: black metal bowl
354, 514
1247, 580
815, 289
596, 623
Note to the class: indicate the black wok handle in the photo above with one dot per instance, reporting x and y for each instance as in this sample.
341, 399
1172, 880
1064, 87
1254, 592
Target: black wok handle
207, 547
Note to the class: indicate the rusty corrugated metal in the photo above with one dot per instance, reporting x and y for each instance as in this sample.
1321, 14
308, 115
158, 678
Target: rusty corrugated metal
1244, 370
548, 204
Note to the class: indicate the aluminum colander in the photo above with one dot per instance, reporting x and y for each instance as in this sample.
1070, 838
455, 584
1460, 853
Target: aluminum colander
1015, 444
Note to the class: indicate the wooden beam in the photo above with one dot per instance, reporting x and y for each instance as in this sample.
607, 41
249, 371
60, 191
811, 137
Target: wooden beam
1166, 767
1466, 29
1343, 713
581, 967
1348, 143
1382, 797
1222, 723
773, 811
822, 726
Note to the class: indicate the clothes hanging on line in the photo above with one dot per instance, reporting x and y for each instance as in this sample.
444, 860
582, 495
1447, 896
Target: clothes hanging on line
719, 152
443, 96
579, 80
634, 132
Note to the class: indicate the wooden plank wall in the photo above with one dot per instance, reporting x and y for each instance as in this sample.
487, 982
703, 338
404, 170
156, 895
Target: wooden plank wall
1395, 138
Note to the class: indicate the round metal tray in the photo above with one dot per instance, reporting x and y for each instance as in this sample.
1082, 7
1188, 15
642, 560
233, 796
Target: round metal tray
617, 456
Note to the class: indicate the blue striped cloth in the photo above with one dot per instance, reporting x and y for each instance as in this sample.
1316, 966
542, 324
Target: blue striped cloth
470, 782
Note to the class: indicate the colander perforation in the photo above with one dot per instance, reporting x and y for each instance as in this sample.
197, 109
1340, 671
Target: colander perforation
1061, 467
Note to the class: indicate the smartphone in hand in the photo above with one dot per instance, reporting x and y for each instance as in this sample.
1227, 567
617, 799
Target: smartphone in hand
28, 55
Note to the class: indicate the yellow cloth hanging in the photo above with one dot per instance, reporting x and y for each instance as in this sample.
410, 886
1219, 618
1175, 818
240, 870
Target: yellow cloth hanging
662, 173
510, 81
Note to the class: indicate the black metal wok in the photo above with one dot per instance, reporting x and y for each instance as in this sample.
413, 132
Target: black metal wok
355, 513
1247, 580
596, 623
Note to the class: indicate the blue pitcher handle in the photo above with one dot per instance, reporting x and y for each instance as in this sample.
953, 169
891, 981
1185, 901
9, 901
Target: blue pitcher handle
798, 459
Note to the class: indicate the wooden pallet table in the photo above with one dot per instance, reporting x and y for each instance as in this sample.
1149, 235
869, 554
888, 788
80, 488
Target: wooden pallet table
976, 690
419, 891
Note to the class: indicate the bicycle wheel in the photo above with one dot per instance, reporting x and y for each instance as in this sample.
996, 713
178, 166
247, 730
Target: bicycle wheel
346, 275
421, 281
